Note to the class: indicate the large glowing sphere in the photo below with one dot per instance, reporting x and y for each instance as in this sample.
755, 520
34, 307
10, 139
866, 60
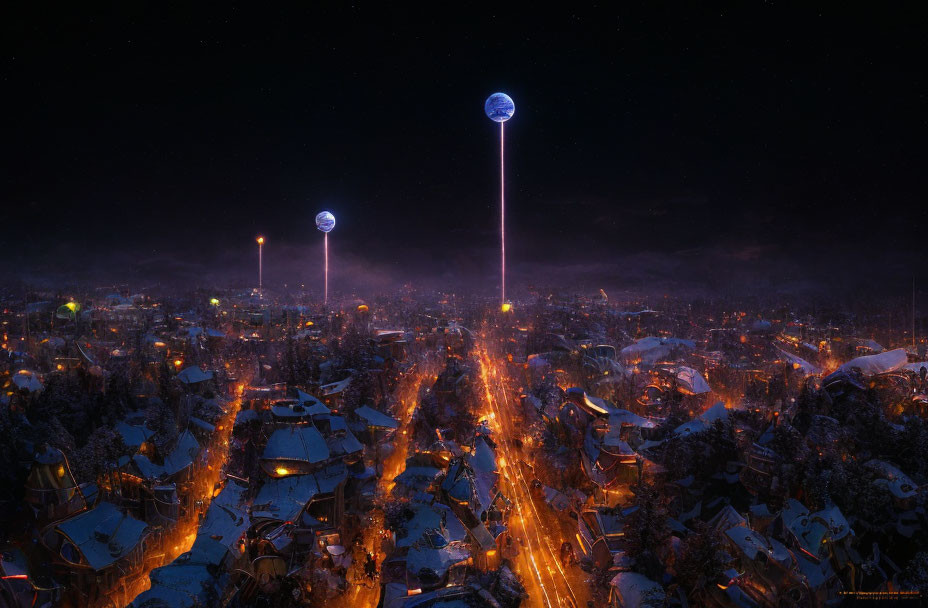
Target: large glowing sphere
499, 107
325, 221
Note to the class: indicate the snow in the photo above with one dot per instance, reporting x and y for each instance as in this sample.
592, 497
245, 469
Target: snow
245, 416
224, 523
184, 453
652, 349
27, 380
634, 589
877, 364
799, 363
691, 381
283, 499
133, 435
439, 560
303, 443
335, 388
705, 420
726, 519
916, 367
194, 375
104, 534
618, 417
376, 419
483, 457
424, 518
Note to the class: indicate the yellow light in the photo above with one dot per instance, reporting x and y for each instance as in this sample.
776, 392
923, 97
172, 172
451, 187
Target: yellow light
178, 362
214, 301
60, 470
260, 240
309, 324
60, 367
506, 307
491, 552
72, 306
363, 308
281, 471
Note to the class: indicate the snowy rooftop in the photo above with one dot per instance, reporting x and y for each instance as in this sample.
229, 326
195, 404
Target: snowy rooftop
303, 443
104, 534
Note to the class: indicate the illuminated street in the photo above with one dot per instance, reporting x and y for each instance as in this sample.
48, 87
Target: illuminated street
350, 305
552, 583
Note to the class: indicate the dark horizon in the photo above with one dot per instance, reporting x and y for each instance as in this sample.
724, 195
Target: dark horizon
740, 146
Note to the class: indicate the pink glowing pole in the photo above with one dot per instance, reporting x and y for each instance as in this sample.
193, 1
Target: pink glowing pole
325, 222
502, 212
500, 108
326, 296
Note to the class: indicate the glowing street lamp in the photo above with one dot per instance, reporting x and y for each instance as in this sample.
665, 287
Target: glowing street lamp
499, 107
260, 262
325, 222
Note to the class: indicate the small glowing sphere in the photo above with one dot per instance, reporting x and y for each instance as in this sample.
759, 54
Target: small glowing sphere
325, 221
506, 307
260, 240
214, 301
499, 107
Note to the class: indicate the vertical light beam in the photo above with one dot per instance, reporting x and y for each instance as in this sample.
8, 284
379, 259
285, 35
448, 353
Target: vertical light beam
326, 296
325, 222
499, 107
502, 210
260, 264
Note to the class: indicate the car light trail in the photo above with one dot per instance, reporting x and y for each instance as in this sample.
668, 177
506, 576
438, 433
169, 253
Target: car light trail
551, 577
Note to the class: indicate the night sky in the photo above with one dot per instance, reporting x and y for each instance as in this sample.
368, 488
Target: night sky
153, 144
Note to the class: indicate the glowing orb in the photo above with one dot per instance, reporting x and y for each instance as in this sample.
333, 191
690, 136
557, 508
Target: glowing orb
499, 107
506, 307
325, 221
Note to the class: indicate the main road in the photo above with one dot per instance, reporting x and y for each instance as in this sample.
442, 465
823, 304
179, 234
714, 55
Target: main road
549, 583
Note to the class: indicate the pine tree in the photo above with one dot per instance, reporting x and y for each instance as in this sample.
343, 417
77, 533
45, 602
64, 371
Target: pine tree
646, 530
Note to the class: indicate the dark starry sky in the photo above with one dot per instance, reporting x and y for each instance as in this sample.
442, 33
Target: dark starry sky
161, 139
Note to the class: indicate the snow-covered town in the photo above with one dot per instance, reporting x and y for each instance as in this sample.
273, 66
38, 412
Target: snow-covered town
241, 449
370, 305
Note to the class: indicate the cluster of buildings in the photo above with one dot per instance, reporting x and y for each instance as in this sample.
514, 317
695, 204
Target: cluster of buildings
245, 449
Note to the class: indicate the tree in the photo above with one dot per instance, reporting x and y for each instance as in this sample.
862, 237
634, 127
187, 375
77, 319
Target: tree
915, 574
646, 530
160, 418
701, 561
99, 456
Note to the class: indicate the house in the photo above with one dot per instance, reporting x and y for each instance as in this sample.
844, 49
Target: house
633, 590
199, 577
600, 531
51, 490
99, 553
310, 502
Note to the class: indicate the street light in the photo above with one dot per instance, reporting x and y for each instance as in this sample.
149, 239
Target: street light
260, 262
499, 107
325, 222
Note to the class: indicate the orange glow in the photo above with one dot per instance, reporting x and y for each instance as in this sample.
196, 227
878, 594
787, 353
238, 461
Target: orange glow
178, 362
281, 471
260, 240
